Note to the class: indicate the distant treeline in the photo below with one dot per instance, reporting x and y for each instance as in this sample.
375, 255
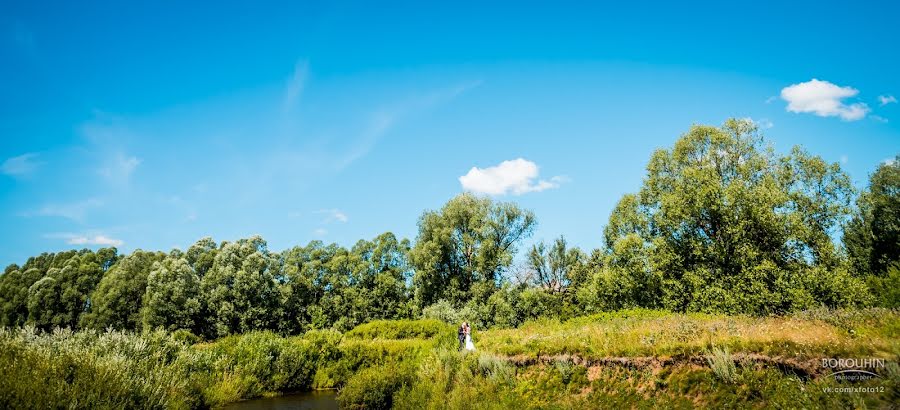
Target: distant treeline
722, 223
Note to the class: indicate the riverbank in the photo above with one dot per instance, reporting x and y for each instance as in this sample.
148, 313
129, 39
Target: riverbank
628, 358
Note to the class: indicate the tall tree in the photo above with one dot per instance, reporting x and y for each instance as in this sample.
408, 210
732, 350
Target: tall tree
470, 241
554, 267
173, 299
872, 237
731, 226
117, 301
240, 289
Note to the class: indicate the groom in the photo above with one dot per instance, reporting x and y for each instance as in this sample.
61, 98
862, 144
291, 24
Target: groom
461, 335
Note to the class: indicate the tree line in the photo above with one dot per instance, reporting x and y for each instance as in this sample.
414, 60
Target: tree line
721, 223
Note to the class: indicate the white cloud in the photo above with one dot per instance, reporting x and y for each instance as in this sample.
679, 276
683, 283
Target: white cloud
878, 118
824, 99
886, 99
119, 168
518, 176
844, 159
889, 162
86, 239
21, 165
333, 215
320, 232
295, 85
75, 211
94, 240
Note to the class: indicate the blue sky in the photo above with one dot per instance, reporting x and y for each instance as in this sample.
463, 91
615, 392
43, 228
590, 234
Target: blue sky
151, 126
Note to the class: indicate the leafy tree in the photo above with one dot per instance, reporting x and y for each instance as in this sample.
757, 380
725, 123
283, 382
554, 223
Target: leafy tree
240, 289
173, 299
470, 241
872, 237
117, 301
201, 255
384, 277
553, 267
14, 286
44, 304
306, 277
62, 301
726, 224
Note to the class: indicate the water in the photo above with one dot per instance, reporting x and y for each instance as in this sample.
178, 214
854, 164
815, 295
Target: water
312, 400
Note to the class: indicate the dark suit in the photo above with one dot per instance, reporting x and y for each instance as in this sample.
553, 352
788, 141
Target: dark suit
461, 335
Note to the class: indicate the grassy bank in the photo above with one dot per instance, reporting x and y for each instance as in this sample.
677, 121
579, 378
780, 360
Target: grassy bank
634, 358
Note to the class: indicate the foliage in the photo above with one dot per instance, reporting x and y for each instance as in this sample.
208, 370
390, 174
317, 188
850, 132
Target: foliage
121, 289
723, 224
722, 365
374, 387
470, 241
240, 288
400, 329
552, 267
173, 299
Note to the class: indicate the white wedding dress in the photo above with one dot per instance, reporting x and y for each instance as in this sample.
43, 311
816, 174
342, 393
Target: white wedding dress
469, 344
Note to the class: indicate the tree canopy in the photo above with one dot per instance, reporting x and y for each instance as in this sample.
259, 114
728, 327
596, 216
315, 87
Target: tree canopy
721, 223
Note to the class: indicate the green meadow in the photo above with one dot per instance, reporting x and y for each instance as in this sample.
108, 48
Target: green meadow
630, 358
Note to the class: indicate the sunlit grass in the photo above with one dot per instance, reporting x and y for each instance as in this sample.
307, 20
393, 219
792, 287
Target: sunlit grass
653, 333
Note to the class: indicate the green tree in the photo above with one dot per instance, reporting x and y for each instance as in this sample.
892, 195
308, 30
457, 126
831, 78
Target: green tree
554, 267
872, 237
14, 286
62, 301
44, 304
384, 277
728, 225
117, 301
240, 289
172, 300
201, 255
470, 241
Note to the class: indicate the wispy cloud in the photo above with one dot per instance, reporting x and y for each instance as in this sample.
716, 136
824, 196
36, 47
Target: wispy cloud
333, 215
886, 99
824, 99
119, 167
762, 123
384, 118
320, 232
86, 239
76, 211
21, 165
518, 176
295, 84
879, 118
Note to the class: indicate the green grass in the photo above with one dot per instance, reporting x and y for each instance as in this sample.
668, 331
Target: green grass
608, 360
633, 333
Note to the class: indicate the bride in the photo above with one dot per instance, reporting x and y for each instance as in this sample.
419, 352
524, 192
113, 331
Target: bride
468, 331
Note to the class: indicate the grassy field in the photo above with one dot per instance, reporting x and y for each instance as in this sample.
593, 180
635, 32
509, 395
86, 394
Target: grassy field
632, 359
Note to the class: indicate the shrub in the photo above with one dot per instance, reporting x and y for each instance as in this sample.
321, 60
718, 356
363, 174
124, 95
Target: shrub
722, 365
374, 387
401, 329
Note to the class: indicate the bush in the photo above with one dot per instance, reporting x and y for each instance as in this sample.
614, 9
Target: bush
722, 365
374, 387
89, 370
401, 329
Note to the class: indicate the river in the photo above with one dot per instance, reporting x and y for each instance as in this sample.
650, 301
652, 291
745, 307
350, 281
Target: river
312, 400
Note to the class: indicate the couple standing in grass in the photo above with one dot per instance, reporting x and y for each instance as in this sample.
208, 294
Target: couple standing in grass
464, 334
